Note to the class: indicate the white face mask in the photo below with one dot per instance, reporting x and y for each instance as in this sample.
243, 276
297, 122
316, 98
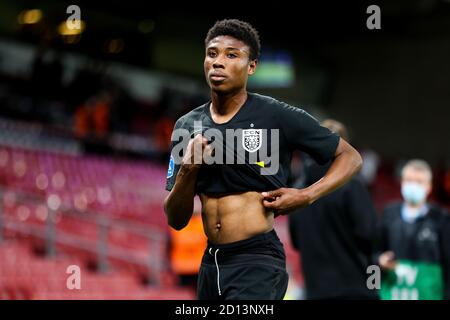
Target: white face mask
414, 193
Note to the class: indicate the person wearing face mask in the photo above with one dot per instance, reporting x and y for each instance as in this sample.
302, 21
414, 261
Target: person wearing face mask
414, 241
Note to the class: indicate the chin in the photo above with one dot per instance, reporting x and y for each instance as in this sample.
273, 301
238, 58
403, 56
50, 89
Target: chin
220, 89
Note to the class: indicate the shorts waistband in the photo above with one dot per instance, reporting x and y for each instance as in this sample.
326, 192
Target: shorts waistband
257, 249
263, 237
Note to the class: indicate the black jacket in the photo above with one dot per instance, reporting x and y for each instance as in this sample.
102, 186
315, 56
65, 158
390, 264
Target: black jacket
427, 239
335, 238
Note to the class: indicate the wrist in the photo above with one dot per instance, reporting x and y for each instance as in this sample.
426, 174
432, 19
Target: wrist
309, 194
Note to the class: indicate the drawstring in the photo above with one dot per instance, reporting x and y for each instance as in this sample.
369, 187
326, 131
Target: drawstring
218, 271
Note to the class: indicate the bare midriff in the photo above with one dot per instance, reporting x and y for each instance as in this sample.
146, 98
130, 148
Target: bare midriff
234, 217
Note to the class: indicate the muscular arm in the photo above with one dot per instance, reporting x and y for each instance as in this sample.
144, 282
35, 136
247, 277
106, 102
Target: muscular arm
179, 203
347, 162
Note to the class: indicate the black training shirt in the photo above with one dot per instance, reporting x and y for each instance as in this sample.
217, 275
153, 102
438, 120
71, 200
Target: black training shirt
262, 128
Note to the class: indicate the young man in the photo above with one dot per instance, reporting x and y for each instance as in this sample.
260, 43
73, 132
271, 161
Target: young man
236, 152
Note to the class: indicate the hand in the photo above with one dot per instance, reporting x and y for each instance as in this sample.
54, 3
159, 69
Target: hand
285, 200
387, 261
195, 151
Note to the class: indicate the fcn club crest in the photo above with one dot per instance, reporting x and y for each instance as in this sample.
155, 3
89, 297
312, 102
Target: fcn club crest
252, 139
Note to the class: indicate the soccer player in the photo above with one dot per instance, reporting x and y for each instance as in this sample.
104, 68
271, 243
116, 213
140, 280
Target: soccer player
244, 141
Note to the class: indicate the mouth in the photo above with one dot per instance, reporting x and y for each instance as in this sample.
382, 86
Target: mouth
217, 77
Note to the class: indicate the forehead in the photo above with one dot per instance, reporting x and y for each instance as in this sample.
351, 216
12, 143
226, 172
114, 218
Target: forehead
227, 42
411, 172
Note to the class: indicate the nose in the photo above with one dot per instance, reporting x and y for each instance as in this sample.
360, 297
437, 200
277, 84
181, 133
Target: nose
218, 63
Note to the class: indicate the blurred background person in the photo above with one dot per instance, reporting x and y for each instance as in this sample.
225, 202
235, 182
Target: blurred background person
187, 247
413, 240
335, 235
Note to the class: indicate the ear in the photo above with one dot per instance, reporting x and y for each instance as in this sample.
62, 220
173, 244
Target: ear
252, 67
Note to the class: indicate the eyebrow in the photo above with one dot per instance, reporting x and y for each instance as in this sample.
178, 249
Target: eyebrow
227, 48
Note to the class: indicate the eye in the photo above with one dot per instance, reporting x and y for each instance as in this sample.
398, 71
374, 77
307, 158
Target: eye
231, 55
211, 54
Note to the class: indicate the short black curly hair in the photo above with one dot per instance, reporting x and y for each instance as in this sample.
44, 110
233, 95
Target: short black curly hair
238, 29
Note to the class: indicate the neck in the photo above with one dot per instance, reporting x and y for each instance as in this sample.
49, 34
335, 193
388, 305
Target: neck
227, 103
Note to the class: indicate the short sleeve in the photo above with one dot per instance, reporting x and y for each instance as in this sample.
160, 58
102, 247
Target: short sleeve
303, 132
174, 166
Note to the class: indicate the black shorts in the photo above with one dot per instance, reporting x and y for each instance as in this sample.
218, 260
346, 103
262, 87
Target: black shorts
251, 269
